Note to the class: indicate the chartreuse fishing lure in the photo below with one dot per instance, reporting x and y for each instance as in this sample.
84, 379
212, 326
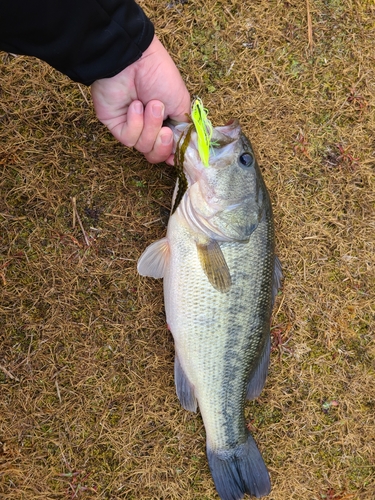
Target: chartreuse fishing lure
204, 131
203, 127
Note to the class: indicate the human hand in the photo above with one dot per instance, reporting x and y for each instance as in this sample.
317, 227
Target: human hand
134, 103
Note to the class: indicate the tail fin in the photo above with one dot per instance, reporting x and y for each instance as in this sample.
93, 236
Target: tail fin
239, 471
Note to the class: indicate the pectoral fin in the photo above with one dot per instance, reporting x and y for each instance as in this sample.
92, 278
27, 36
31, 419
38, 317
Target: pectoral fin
154, 260
214, 265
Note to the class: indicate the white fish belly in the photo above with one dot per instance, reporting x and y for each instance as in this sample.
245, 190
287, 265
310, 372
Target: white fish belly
219, 336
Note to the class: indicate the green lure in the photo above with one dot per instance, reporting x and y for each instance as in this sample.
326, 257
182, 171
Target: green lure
204, 129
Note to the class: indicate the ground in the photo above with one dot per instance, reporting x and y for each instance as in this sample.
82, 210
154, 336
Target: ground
88, 407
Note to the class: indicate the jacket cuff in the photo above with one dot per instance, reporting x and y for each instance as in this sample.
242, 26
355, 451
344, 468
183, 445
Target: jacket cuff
84, 39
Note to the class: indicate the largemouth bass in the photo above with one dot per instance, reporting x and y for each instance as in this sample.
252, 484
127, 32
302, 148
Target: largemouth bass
220, 279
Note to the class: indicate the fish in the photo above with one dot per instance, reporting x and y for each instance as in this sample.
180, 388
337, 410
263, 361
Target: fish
220, 278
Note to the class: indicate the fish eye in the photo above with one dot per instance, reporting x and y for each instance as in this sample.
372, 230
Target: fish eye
246, 159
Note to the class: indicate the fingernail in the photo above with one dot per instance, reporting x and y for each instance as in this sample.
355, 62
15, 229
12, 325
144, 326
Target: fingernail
166, 139
138, 108
157, 110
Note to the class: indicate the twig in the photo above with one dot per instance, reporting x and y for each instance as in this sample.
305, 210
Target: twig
75, 211
84, 95
280, 306
309, 27
30, 346
151, 222
58, 390
258, 80
115, 215
8, 374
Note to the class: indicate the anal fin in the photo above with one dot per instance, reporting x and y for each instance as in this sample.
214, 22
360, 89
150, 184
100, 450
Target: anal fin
184, 389
258, 377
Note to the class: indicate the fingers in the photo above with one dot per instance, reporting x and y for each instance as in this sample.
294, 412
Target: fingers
162, 147
155, 81
155, 141
170, 160
144, 130
152, 123
129, 132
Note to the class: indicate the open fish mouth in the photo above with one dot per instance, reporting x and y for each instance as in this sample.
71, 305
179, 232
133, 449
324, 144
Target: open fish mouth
222, 137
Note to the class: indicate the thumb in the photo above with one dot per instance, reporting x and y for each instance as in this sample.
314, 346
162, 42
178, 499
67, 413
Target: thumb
181, 113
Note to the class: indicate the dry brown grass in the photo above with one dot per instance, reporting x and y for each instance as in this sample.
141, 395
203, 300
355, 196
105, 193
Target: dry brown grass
88, 408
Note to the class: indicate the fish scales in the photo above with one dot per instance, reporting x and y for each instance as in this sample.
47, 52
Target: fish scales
218, 335
220, 279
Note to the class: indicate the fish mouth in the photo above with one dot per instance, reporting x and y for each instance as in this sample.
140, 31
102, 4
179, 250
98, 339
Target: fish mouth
178, 129
223, 137
227, 133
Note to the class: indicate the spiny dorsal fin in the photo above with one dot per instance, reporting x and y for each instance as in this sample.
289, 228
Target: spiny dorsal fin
214, 265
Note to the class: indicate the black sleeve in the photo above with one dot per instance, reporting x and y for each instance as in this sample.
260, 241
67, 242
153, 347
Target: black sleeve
84, 39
